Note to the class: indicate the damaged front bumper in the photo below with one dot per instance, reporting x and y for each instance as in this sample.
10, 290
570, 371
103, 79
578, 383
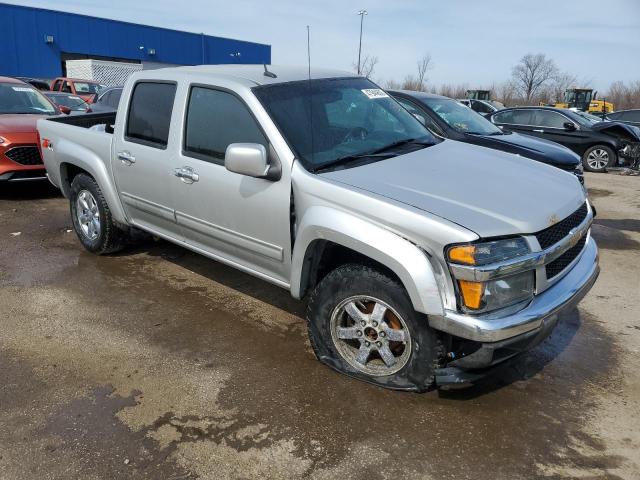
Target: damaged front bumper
499, 339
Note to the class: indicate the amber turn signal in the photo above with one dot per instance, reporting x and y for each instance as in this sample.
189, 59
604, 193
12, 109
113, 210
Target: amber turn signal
471, 293
463, 254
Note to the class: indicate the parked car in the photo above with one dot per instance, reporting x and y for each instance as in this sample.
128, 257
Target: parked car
449, 119
68, 103
483, 107
87, 89
425, 261
39, 83
21, 106
107, 101
630, 117
601, 144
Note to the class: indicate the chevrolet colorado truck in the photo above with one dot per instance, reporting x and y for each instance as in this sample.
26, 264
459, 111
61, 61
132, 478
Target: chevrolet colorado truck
424, 261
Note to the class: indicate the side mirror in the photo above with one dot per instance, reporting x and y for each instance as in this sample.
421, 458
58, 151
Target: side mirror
569, 126
420, 118
64, 109
247, 159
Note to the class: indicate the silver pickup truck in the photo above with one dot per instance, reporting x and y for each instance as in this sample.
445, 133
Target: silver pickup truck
424, 261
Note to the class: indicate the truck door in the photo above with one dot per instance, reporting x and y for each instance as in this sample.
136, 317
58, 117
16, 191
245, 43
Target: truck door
142, 159
239, 219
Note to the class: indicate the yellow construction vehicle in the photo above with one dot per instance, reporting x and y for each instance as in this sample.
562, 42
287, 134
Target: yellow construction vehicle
585, 99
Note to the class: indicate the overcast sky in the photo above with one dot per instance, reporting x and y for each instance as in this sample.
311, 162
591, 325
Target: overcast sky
470, 41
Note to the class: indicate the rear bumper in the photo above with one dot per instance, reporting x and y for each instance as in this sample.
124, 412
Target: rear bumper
543, 309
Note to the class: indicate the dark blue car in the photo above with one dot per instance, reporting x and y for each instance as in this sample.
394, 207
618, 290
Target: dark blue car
450, 119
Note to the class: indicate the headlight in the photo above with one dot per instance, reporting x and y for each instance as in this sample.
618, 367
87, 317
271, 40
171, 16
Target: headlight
2, 141
480, 297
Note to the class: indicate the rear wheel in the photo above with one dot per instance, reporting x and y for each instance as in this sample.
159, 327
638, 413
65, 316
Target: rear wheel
92, 220
362, 323
598, 158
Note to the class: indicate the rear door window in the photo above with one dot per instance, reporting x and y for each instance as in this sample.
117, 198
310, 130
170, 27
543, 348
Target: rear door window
513, 117
149, 115
549, 119
216, 119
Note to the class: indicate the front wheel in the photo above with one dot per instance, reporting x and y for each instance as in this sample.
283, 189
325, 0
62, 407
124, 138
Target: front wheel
361, 323
598, 158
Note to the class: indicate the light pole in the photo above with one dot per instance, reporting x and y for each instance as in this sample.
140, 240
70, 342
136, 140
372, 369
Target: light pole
362, 13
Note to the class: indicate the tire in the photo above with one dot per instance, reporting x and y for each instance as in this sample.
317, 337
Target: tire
337, 340
598, 158
91, 216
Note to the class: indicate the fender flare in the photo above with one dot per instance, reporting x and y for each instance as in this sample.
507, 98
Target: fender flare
71, 153
405, 259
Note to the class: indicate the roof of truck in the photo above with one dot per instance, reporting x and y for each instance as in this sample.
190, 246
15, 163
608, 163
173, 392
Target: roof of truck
256, 73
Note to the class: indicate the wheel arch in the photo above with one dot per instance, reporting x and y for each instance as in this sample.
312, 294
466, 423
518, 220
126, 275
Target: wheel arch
328, 238
76, 159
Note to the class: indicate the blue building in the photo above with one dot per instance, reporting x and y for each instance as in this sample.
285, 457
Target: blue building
35, 42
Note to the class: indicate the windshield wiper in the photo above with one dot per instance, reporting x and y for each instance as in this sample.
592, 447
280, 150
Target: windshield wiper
400, 143
378, 153
350, 158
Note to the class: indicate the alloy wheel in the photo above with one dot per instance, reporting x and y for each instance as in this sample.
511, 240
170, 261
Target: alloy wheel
370, 336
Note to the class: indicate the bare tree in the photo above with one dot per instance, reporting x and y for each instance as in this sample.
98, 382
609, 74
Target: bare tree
367, 65
624, 96
532, 73
561, 82
412, 83
424, 64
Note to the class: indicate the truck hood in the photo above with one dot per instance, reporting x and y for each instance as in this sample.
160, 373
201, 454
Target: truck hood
19, 123
490, 192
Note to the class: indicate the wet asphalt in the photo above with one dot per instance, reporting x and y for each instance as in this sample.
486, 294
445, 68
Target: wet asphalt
156, 363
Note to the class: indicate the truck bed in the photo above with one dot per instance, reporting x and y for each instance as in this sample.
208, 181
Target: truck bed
88, 120
72, 141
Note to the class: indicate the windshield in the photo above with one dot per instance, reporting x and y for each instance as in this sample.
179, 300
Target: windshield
16, 98
327, 120
461, 117
72, 101
577, 97
85, 87
584, 119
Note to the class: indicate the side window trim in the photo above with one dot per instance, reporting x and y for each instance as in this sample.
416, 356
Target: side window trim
183, 140
140, 141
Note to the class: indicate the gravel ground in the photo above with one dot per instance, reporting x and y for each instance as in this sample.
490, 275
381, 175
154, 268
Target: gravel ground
157, 363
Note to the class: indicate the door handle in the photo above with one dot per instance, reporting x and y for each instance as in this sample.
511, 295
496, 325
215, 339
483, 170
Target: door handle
126, 158
538, 130
186, 174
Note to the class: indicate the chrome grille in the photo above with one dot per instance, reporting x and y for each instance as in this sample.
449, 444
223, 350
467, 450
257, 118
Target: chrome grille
24, 155
555, 233
563, 261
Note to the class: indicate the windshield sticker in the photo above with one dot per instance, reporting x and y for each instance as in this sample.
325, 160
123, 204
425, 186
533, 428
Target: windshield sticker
22, 89
374, 93
74, 98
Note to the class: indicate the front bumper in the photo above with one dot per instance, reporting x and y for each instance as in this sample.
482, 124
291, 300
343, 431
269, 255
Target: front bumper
543, 309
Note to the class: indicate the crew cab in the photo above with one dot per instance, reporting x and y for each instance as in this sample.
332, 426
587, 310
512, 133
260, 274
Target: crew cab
423, 261
85, 89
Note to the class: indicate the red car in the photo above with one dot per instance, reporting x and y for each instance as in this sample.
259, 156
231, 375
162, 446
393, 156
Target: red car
85, 89
21, 106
